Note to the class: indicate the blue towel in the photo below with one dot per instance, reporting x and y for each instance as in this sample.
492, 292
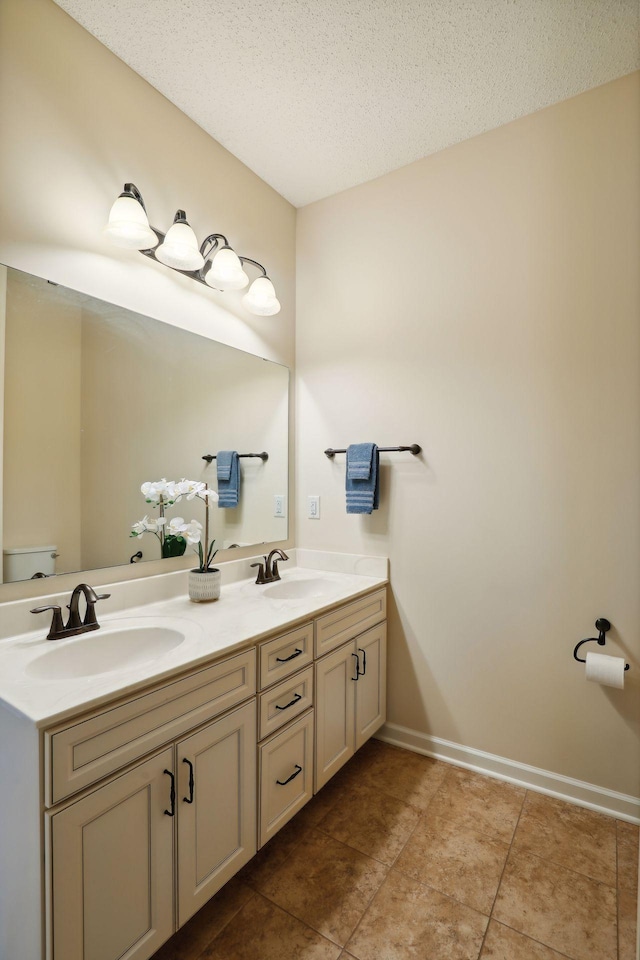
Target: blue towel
363, 462
228, 469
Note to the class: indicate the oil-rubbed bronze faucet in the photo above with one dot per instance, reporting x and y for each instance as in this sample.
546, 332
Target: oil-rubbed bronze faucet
268, 571
58, 631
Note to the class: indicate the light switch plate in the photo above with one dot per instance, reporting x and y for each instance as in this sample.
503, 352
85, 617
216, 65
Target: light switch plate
313, 511
279, 505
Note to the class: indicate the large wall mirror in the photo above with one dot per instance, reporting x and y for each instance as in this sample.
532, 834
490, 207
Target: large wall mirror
99, 400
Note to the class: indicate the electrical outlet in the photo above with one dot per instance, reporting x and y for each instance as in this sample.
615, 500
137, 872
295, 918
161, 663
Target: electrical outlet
314, 508
279, 505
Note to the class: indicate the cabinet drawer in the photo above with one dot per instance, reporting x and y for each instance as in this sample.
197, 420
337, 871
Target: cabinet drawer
348, 621
285, 701
286, 775
83, 753
282, 656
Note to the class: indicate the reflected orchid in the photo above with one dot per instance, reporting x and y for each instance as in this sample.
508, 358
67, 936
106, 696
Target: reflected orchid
177, 533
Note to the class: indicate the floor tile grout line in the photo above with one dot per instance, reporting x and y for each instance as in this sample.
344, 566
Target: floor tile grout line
334, 943
427, 886
561, 866
346, 844
544, 860
284, 909
225, 925
504, 867
565, 956
389, 869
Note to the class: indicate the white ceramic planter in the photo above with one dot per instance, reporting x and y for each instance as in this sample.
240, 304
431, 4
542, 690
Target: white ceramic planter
204, 586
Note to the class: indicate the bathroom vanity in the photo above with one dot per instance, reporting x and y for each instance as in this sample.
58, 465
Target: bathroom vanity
134, 793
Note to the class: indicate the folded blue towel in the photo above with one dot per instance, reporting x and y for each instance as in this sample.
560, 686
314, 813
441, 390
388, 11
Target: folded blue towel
360, 461
361, 483
228, 469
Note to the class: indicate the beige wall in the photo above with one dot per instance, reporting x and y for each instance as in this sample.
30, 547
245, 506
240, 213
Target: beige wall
42, 423
82, 124
171, 397
484, 303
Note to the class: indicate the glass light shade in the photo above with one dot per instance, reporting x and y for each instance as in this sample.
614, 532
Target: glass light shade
226, 271
179, 248
261, 298
128, 225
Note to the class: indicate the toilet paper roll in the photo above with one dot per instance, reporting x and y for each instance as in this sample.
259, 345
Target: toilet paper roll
607, 670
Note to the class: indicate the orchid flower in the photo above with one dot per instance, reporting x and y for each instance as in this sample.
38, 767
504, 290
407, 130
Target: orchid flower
155, 490
147, 525
191, 532
166, 493
189, 488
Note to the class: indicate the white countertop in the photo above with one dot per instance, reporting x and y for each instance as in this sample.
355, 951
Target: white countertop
244, 614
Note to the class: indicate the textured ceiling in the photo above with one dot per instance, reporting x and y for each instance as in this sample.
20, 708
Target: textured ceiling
318, 95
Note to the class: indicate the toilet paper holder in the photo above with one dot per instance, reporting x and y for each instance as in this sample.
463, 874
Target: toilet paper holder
602, 626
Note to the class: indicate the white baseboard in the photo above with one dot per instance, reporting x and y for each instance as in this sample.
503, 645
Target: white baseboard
583, 794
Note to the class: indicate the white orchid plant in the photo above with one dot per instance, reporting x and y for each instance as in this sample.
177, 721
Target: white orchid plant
175, 534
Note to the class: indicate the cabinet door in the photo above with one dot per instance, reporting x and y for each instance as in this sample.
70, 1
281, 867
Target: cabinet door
371, 688
112, 868
217, 816
335, 699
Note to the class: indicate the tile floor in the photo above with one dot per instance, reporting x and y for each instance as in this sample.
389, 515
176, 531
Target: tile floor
401, 857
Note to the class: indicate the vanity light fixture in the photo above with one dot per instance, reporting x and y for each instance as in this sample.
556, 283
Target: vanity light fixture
213, 263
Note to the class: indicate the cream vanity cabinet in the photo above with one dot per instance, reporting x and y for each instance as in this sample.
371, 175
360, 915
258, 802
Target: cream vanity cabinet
286, 728
350, 684
153, 801
342, 700
135, 857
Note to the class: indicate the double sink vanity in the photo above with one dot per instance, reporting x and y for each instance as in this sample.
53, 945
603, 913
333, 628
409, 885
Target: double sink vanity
144, 763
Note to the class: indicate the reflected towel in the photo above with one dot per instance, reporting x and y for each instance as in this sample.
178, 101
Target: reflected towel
228, 470
361, 482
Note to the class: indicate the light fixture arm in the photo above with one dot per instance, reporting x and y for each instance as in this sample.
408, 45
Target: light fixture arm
213, 239
255, 263
130, 190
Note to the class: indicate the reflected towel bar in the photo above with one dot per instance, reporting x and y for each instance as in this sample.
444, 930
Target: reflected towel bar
263, 456
415, 449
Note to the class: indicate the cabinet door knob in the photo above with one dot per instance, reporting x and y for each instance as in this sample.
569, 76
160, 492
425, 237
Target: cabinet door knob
292, 777
189, 799
172, 795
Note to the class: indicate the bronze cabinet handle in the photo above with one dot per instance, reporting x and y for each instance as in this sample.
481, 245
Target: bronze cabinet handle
189, 799
297, 697
292, 657
292, 777
172, 795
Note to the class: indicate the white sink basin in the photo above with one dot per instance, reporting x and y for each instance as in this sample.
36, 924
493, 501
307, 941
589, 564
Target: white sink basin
117, 646
301, 589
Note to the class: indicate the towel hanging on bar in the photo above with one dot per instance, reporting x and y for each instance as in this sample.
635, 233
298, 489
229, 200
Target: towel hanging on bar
228, 470
361, 481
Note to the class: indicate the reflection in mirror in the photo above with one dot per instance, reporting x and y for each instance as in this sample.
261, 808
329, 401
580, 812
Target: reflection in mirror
98, 401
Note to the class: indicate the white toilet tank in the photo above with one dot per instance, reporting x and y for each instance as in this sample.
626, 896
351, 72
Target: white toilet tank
23, 563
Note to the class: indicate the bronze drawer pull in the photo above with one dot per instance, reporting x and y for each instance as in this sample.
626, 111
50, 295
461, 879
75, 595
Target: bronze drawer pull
292, 777
292, 657
358, 671
172, 795
297, 697
364, 662
189, 799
